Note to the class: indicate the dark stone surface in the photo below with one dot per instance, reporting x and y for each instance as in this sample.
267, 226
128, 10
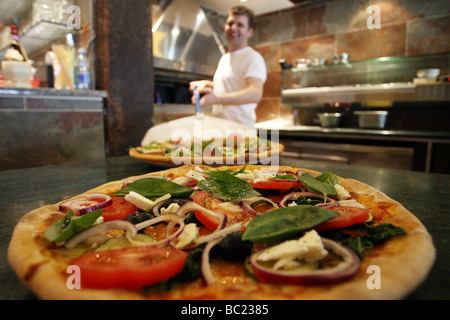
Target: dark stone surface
427, 196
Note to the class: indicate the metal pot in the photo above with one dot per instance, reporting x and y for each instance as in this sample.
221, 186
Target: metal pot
372, 119
330, 120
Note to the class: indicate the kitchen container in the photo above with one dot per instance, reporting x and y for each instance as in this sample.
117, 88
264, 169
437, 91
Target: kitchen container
17, 73
372, 119
429, 73
330, 120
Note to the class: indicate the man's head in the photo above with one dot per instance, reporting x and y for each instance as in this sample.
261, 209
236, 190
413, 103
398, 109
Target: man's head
239, 27
243, 11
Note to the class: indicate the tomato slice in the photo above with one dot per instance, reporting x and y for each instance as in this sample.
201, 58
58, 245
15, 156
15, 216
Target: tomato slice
208, 201
119, 210
131, 268
271, 184
348, 216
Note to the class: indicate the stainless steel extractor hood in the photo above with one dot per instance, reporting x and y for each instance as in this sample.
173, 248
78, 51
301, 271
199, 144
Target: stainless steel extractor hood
187, 38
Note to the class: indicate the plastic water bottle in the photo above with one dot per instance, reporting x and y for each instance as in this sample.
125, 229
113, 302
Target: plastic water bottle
82, 71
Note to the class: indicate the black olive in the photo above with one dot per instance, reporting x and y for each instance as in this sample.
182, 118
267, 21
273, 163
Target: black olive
232, 248
138, 217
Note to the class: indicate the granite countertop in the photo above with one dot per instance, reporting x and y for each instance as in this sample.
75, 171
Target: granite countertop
49, 92
426, 195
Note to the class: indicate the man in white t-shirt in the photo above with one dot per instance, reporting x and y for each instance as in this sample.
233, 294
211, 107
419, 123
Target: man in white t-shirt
237, 85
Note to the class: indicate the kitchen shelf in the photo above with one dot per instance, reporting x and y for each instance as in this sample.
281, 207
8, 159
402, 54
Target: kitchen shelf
39, 36
379, 80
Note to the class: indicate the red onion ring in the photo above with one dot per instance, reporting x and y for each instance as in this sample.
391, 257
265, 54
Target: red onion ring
245, 205
247, 208
191, 206
130, 229
87, 204
236, 227
205, 269
169, 238
345, 270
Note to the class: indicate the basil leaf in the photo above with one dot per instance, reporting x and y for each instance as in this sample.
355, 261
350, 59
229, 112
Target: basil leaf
286, 177
325, 187
70, 224
285, 223
153, 188
225, 186
328, 177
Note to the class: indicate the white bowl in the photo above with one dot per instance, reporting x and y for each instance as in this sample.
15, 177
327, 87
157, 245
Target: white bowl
428, 73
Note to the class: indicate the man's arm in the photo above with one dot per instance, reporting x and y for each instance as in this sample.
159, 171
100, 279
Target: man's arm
200, 85
251, 94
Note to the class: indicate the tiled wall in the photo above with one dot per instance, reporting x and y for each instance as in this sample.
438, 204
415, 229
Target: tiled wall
408, 27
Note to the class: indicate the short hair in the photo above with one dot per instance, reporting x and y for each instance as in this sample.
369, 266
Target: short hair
243, 11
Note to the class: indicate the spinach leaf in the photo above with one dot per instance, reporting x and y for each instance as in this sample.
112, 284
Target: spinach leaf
71, 224
153, 188
225, 186
370, 236
284, 223
323, 184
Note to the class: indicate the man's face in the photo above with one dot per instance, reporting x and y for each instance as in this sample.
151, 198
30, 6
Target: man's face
237, 31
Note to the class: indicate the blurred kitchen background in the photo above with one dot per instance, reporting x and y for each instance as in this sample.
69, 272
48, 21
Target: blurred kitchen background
337, 90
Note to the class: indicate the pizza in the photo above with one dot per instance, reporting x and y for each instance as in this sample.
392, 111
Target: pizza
228, 232
234, 150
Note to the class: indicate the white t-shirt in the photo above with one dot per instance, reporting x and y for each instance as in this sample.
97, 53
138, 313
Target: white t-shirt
232, 70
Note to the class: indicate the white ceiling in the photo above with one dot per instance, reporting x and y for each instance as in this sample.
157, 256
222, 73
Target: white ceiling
258, 6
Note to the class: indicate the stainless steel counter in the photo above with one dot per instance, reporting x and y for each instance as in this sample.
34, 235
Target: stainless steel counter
427, 150
418, 135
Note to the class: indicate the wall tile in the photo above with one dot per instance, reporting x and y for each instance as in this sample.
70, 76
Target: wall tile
397, 11
375, 43
420, 40
271, 55
279, 27
315, 23
268, 108
272, 87
311, 47
344, 15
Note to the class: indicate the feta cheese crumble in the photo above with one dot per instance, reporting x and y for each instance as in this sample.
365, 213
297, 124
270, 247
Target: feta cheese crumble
142, 202
289, 254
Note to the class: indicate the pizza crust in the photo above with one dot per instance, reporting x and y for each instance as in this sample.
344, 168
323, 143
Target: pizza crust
404, 262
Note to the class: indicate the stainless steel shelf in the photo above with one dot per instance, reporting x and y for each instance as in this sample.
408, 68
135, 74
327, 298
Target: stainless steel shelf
303, 97
40, 36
